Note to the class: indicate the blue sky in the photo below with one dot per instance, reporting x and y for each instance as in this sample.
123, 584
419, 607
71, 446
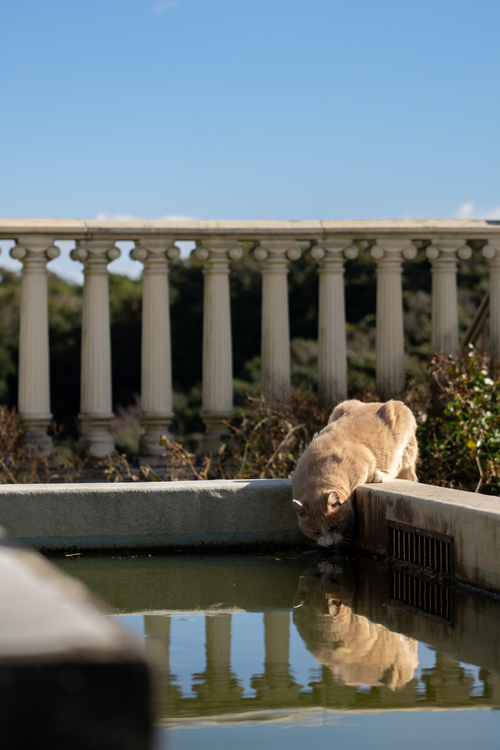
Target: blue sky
250, 109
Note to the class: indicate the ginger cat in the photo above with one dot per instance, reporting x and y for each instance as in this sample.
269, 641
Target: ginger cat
361, 443
356, 650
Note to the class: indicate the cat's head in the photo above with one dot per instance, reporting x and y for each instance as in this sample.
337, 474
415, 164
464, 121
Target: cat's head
327, 519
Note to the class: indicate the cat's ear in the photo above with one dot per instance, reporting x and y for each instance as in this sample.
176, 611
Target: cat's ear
334, 500
299, 507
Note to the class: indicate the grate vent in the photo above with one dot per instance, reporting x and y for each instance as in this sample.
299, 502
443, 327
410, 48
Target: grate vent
420, 596
419, 547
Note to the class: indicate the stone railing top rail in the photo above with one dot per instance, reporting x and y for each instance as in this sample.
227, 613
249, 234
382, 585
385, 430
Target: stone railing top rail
249, 230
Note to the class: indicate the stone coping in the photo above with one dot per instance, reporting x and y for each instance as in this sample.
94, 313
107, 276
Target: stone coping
151, 515
472, 520
249, 230
245, 513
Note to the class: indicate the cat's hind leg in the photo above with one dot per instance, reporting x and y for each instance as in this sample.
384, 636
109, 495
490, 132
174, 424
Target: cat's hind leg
409, 461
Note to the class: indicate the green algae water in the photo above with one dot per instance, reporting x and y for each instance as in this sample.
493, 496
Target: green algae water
281, 650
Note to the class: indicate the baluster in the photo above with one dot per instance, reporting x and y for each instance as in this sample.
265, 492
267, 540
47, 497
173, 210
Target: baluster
274, 256
217, 398
96, 402
276, 686
443, 254
332, 349
389, 254
156, 357
157, 645
217, 687
34, 379
491, 252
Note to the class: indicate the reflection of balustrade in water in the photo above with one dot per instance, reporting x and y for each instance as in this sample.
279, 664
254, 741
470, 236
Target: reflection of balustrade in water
275, 246
157, 642
361, 657
217, 688
276, 686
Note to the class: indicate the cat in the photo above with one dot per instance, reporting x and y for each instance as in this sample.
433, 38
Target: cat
356, 650
361, 443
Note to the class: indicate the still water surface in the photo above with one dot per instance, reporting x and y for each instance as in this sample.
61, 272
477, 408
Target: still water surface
285, 650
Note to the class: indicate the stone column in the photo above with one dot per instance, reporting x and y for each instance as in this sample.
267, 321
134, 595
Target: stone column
332, 349
156, 357
491, 252
157, 645
275, 348
34, 380
95, 388
217, 399
217, 687
443, 254
390, 354
276, 686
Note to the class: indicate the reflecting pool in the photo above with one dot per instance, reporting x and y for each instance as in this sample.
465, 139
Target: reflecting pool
280, 650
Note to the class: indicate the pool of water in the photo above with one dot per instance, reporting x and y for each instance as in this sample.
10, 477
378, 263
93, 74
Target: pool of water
280, 650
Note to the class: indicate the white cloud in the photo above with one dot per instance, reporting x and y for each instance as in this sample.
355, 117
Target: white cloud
177, 217
163, 5
103, 216
468, 210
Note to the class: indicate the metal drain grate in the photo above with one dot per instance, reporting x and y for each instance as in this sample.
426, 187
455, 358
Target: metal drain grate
419, 596
419, 547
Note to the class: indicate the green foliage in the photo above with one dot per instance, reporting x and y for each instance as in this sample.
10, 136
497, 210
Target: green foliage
461, 447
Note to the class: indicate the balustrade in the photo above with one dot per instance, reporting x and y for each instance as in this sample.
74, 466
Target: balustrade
276, 245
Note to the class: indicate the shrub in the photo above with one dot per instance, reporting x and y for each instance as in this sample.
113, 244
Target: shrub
461, 446
271, 437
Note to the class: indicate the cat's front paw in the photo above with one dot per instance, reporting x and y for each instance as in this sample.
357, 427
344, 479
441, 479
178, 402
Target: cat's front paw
380, 476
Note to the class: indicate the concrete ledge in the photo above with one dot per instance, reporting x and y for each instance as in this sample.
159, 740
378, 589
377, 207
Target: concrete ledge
472, 520
156, 514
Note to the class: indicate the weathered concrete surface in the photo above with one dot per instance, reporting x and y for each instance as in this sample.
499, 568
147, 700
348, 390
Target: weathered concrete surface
82, 682
156, 514
472, 520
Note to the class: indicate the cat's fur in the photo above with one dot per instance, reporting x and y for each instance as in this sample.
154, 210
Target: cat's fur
356, 650
361, 443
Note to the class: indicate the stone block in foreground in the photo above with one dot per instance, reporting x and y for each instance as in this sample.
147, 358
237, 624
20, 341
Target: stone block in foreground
69, 678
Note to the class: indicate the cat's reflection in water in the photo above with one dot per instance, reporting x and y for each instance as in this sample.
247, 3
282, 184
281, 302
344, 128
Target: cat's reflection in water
357, 651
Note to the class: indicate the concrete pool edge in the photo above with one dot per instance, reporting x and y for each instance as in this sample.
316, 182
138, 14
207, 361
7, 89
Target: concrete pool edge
245, 513
471, 520
225, 513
